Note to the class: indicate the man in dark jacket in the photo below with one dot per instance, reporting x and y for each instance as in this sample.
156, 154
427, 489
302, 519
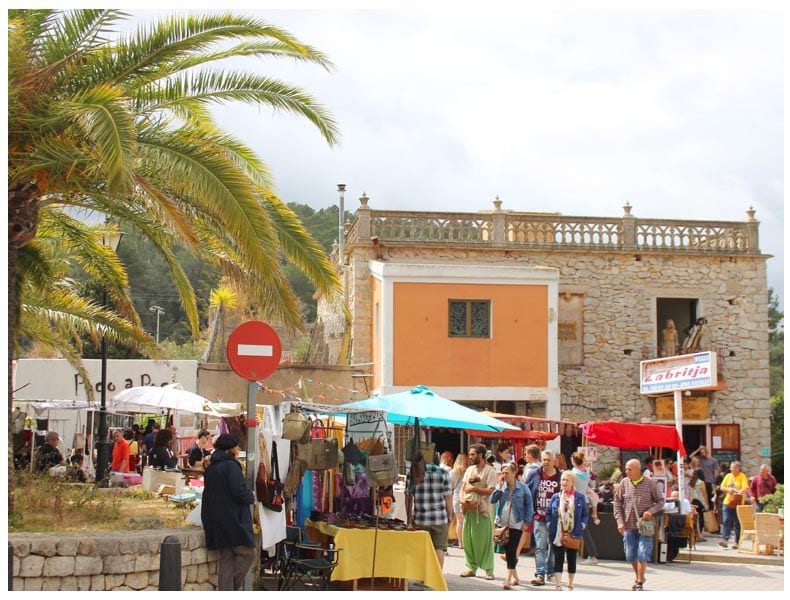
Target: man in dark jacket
225, 511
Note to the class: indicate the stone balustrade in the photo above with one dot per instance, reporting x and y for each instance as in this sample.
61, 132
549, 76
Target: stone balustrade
545, 231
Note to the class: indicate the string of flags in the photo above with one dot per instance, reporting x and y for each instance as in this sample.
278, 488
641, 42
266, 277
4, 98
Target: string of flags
298, 391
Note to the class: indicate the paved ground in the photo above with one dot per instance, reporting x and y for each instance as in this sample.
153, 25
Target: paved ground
700, 575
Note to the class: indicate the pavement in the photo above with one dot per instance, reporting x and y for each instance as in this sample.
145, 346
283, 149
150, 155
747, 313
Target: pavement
711, 569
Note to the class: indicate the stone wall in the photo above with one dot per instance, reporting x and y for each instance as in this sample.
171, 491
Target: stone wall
122, 560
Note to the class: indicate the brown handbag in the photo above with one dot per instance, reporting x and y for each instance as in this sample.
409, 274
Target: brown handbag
569, 541
735, 500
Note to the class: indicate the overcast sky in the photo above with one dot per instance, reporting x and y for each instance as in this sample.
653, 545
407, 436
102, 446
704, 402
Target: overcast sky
679, 112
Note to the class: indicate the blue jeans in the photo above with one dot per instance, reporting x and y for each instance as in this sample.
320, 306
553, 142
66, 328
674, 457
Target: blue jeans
729, 521
544, 556
637, 548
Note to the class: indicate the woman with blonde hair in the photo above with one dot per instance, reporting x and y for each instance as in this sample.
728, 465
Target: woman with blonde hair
567, 513
456, 483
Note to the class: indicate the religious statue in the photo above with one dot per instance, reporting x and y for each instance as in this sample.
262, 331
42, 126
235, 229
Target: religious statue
671, 344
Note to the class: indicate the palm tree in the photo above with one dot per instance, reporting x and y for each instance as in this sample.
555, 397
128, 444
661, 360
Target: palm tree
118, 125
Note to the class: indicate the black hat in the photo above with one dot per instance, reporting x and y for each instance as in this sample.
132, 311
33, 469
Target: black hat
226, 442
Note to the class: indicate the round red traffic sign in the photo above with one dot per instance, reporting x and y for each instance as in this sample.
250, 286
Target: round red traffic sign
254, 350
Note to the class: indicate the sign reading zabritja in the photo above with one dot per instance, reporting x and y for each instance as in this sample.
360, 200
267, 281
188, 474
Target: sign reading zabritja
684, 372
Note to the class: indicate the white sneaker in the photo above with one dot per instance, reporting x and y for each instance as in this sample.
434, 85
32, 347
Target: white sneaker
590, 560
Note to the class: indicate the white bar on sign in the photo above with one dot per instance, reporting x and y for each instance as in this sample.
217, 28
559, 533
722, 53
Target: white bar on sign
255, 350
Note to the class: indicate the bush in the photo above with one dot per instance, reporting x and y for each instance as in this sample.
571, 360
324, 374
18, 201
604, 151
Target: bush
773, 502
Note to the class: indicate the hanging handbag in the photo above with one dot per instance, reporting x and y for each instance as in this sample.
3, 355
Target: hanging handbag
415, 448
268, 487
318, 454
569, 541
352, 454
296, 427
381, 470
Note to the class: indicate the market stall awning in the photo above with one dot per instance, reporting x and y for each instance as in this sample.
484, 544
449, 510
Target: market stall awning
633, 436
432, 410
529, 428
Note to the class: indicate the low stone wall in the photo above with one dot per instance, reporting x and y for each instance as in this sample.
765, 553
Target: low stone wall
117, 560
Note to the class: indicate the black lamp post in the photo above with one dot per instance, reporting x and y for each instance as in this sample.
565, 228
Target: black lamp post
103, 443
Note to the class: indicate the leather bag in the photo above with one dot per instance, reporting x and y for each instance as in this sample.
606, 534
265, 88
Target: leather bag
571, 542
296, 427
735, 500
352, 454
501, 536
268, 487
426, 449
318, 454
381, 470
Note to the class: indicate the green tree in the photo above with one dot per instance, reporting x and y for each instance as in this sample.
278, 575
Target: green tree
118, 125
776, 339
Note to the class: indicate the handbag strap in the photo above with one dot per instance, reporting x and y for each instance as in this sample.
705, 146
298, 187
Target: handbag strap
275, 463
633, 500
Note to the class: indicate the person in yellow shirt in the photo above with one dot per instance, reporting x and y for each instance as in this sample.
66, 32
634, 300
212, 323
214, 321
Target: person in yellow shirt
734, 482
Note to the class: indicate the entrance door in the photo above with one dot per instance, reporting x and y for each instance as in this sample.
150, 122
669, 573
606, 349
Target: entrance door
694, 437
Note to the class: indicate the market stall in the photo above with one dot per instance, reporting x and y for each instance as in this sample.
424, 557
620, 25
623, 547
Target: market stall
627, 436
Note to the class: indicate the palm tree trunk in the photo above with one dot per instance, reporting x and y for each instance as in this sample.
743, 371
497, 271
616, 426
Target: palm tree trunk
23, 208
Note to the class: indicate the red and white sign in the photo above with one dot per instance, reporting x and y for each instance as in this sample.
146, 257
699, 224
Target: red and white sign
684, 372
254, 350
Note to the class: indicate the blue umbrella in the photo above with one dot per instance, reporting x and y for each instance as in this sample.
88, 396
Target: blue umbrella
420, 406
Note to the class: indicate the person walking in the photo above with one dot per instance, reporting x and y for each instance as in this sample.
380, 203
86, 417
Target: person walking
543, 483
584, 485
515, 509
430, 505
532, 458
226, 515
567, 513
120, 453
456, 483
762, 484
735, 485
637, 497
478, 541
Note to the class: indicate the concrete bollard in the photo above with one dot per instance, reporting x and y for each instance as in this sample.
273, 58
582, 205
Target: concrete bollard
170, 564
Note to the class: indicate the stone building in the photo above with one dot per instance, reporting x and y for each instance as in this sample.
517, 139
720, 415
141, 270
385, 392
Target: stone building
549, 316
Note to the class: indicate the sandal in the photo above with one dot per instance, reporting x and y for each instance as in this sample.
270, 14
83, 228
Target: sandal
515, 582
467, 574
490, 576
538, 581
506, 586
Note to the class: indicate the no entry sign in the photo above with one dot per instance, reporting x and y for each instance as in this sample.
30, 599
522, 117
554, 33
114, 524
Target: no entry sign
254, 350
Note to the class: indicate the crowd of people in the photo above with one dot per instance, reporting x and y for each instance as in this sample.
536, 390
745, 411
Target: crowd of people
539, 506
536, 505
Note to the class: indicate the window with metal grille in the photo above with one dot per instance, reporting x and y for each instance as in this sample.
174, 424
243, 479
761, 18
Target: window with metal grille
469, 318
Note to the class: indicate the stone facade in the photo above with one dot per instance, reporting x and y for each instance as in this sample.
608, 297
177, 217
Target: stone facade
107, 561
616, 270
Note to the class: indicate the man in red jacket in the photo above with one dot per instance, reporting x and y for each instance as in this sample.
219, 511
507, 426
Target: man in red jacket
761, 485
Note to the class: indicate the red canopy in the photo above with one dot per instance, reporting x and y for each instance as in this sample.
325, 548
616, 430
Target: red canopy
633, 436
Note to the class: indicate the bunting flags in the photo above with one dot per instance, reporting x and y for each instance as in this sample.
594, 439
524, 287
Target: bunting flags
299, 392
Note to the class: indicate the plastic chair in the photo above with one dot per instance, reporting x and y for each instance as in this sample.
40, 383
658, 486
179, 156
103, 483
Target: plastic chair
767, 532
307, 565
745, 514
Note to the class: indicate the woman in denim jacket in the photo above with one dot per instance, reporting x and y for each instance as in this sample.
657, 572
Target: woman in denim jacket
567, 511
515, 508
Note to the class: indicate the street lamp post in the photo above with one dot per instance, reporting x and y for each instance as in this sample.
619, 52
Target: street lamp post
103, 443
159, 311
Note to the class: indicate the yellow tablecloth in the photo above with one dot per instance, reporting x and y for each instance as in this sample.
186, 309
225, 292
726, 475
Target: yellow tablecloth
399, 554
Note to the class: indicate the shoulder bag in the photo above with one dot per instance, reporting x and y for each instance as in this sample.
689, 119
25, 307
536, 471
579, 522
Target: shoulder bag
645, 528
381, 470
502, 534
268, 487
569, 541
296, 427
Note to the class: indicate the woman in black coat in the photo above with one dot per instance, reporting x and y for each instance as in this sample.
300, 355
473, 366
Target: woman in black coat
226, 516
161, 456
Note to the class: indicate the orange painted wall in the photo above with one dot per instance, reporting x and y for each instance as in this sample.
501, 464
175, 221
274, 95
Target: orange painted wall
375, 335
515, 355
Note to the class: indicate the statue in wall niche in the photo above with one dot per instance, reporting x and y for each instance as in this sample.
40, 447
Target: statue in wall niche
671, 344
693, 341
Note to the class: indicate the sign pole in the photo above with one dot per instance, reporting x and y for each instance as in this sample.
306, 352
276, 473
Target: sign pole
252, 433
678, 396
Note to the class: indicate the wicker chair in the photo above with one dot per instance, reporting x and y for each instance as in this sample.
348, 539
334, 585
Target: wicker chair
746, 518
767, 532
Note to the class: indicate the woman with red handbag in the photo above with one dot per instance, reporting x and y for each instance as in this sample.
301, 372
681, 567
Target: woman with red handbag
566, 516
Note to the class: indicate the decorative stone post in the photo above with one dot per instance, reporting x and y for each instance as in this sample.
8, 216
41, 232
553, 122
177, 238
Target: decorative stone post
629, 228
